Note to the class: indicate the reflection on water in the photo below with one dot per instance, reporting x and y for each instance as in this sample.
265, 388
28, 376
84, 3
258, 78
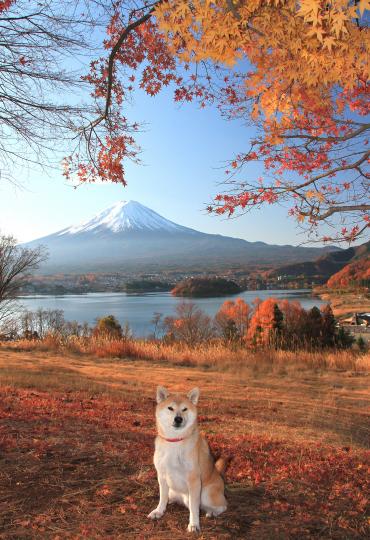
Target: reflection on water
138, 309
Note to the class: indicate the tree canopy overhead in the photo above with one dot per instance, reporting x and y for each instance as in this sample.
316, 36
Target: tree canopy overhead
297, 71
39, 81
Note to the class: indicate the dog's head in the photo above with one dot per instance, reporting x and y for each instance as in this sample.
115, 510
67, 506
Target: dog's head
176, 414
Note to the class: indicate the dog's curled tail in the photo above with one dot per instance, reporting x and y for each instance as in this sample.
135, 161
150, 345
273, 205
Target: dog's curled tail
221, 465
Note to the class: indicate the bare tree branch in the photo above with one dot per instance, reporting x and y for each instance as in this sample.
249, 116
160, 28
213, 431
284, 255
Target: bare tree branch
16, 263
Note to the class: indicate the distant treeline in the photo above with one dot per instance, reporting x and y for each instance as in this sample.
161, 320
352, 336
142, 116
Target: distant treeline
147, 286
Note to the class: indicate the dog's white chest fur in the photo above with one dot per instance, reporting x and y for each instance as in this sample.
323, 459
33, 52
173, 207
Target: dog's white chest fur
171, 462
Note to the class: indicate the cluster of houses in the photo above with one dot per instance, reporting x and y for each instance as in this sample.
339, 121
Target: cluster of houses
357, 319
358, 324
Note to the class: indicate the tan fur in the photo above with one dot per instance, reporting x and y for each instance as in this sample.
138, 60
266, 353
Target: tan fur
186, 470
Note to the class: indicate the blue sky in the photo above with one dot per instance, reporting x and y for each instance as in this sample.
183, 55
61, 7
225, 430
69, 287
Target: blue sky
184, 152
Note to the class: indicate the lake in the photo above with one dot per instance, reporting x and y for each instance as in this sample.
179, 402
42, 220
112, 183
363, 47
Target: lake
138, 309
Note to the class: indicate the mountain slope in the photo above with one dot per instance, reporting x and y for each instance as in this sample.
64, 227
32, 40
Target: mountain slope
326, 265
129, 236
354, 274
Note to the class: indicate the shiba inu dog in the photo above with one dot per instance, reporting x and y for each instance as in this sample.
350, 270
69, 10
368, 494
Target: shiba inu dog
186, 470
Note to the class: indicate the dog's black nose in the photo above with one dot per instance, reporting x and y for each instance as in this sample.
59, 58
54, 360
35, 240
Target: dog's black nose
178, 420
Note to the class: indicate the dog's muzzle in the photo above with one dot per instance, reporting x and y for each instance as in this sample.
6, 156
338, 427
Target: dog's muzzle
178, 421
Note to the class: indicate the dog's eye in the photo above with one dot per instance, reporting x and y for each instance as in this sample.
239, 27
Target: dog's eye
184, 409
170, 408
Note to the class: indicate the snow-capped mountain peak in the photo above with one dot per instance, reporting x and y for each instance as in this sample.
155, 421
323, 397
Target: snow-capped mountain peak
130, 236
125, 216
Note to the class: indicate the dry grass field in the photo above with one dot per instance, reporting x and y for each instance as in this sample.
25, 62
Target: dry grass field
76, 444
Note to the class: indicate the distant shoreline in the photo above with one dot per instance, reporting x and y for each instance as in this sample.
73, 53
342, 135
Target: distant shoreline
344, 303
154, 291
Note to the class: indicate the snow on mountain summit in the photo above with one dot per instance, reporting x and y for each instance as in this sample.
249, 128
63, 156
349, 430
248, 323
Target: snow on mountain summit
126, 216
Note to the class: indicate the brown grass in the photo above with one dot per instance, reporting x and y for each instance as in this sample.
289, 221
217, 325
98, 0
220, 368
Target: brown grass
215, 356
77, 433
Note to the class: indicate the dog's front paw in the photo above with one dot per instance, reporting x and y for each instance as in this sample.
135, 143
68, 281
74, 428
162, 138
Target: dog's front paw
216, 511
193, 528
156, 514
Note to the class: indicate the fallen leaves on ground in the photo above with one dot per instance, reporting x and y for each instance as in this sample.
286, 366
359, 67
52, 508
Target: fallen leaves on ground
76, 466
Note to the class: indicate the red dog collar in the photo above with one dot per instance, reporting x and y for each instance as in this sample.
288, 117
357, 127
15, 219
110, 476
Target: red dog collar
172, 440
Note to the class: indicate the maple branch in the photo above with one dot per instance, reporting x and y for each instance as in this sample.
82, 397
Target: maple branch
355, 165
335, 209
364, 127
343, 167
115, 50
111, 59
234, 10
331, 171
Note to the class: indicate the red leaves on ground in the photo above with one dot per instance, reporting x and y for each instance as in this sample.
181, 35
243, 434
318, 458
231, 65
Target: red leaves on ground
310, 490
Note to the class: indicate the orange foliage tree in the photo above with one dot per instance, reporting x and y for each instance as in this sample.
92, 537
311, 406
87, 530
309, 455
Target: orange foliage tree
287, 325
295, 326
266, 324
233, 319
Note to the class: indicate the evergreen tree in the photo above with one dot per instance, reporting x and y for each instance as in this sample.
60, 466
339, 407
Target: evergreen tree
277, 326
344, 340
314, 327
328, 327
361, 344
230, 331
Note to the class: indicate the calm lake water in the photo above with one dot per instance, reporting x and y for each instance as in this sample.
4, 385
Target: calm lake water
138, 309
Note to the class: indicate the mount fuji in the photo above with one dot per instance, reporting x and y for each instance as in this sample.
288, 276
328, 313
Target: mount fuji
126, 217
130, 236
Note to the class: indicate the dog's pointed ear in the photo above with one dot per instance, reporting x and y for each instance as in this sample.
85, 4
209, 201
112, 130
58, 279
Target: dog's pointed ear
162, 394
193, 395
